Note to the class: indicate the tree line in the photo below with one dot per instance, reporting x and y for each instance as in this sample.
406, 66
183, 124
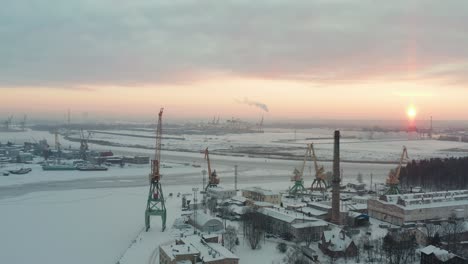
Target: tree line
436, 174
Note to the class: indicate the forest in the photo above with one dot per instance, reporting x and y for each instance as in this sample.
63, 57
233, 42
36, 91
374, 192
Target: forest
436, 174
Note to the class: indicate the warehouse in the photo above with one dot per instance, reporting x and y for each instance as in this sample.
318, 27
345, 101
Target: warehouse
406, 208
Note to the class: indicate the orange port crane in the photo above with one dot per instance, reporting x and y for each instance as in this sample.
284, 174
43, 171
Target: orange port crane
156, 203
213, 179
393, 179
320, 182
297, 178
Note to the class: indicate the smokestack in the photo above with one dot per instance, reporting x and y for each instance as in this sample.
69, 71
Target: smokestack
335, 218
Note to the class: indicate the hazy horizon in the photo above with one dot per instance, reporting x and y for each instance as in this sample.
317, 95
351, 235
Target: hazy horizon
305, 60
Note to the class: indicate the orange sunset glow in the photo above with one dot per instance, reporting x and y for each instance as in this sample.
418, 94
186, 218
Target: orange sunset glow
129, 63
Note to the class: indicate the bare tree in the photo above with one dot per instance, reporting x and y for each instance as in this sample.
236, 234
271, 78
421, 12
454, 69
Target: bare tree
432, 231
230, 238
451, 233
253, 227
399, 247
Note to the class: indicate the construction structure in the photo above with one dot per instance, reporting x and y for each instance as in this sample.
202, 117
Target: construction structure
156, 204
319, 183
393, 179
213, 179
298, 179
335, 215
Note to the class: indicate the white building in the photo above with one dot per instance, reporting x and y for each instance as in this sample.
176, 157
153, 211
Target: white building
220, 193
205, 222
414, 207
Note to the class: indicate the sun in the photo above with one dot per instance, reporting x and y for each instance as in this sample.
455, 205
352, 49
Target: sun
411, 112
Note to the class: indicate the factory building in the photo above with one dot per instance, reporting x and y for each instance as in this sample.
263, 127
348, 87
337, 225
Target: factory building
406, 208
220, 193
261, 195
281, 222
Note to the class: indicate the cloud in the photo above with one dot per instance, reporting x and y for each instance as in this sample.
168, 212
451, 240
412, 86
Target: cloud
108, 42
260, 105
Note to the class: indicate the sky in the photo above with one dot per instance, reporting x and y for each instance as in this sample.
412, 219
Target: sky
301, 60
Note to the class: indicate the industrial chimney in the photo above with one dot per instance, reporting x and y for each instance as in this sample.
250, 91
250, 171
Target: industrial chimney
335, 217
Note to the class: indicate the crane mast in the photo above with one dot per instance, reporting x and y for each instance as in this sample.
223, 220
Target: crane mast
213, 179
393, 179
320, 178
156, 204
297, 178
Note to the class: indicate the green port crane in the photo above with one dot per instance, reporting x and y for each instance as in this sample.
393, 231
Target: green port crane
156, 205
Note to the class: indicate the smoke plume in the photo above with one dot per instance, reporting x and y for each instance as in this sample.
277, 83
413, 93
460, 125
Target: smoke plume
260, 105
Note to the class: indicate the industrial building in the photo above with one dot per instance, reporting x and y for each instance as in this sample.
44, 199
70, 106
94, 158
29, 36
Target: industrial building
194, 249
261, 195
220, 193
404, 208
206, 223
282, 221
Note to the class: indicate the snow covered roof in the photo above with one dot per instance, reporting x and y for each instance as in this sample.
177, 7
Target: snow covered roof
241, 199
287, 216
176, 250
203, 219
338, 240
263, 204
208, 251
317, 223
428, 200
260, 191
313, 211
237, 209
441, 254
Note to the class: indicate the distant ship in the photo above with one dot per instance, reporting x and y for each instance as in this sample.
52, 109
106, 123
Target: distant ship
90, 167
58, 167
21, 171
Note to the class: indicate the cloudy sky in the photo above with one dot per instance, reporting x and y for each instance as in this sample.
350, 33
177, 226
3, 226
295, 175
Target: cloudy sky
306, 59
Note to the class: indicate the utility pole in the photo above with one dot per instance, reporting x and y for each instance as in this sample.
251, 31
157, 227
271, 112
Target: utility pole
195, 207
371, 181
203, 189
235, 178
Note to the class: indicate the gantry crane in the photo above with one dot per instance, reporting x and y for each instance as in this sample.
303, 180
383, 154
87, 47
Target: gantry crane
213, 179
320, 183
84, 145
7, 122
23, 123
297, 178
393, 179
156, 204
58, 146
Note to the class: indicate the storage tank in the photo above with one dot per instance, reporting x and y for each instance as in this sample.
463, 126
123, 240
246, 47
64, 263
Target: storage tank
459, 213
